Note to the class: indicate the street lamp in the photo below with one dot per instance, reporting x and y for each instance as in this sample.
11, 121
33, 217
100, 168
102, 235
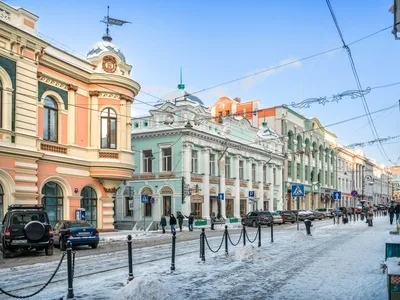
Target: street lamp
370, 181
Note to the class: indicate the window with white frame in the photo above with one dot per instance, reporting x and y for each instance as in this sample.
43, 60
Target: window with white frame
264, 174
212, 164
108, 129
50, 124
241, 169
227, 167
253, 172
147, 161
166, 160
195, 161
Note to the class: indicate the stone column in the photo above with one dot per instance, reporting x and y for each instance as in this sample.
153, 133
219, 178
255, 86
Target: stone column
222, 188
270, 172
304, 161
280, 188
94, 123
236, 201
122, 124
249, 184
294, 162
71, 129
260, 193
187, 151
206, 182
128, 125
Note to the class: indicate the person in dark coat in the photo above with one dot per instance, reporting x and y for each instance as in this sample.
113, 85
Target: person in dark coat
172, 222
391, 212
397, 211
212, 221
180, 218
308, 224
163, 223
190, 221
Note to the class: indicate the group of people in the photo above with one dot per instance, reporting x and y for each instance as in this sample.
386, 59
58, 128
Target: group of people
392, 210
174, 220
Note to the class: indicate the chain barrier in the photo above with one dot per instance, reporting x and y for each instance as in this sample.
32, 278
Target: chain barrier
251, 242
41, 289
208, 245
240, 237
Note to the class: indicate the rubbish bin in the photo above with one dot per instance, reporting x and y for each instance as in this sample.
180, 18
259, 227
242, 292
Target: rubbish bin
393, 278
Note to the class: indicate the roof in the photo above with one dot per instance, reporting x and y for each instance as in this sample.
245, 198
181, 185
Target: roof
180, 95
105, 46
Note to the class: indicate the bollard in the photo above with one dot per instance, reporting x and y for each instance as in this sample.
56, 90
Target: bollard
130, 275
357, 216
69, 269
334, 220
226, 239
338, 219
259, 235
173, 251
272, 232
244, 235
203, 245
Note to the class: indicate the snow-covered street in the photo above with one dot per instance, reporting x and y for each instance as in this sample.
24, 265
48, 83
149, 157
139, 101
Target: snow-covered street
337, 262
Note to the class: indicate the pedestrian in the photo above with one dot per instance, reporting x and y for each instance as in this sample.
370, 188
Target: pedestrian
370, 216
180, 218
163, 223
308, 224
190, 221
212, 221
172, 223
391, 211
397, 211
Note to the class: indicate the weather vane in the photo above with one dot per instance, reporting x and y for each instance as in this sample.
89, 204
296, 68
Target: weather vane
111, 21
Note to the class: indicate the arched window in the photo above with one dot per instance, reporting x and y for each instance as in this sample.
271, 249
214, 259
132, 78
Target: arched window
50, 121
53, 201
108, 129
89, 203
1, 104
1, 202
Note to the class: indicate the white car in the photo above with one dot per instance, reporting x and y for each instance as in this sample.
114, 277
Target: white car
328, 212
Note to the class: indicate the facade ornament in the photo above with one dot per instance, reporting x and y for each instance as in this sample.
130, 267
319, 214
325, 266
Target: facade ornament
39, 75
71, 87
4, 15
94, 93
125, 97
109, 64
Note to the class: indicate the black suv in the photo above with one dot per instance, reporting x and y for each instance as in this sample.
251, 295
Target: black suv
26, 227
257, 217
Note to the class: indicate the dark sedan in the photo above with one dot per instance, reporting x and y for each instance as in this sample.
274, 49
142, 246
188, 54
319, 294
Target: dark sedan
77, 232
287, 216
257, 217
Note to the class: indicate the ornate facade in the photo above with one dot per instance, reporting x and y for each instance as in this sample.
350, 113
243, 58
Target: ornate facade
64, 123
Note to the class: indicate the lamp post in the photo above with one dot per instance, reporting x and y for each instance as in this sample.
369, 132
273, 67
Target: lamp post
370, 181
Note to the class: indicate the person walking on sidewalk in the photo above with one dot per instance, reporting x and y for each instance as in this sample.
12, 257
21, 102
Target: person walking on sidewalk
180, 218
397, 211
172, 223
308, 224
163, 223
370, 216
212, 221
190, 221
391, 212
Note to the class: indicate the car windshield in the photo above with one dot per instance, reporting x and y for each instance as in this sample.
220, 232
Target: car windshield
79, 225
320, 209
23, 219
263, 214
274, 214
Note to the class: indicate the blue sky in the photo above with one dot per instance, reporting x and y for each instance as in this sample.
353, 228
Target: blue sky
216, 41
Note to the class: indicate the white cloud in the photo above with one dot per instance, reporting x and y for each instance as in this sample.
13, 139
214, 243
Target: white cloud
253, 80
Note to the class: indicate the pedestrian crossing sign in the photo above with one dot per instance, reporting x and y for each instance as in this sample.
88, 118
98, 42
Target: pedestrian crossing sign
297, 190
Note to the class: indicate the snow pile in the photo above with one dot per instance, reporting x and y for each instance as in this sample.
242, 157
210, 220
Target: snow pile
246, 253
150, 288
122, 235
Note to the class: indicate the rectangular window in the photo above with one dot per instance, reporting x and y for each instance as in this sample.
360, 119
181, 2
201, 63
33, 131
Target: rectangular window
298, 170
274, 176
127, 211
227, 167
166, 160
167, 206
243, 210
195, 162
147, 209
253, 172
264, 174
289, 170
228, 208
306, 169
147, 161
241, 169
212, 164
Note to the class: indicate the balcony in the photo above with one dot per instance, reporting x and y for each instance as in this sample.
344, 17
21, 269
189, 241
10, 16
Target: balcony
243, 182
53, 147
214, 179
229, 181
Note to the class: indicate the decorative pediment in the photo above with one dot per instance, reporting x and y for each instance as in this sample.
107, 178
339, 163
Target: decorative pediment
146, 191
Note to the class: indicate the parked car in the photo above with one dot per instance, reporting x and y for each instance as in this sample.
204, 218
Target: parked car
304, 214
349, 210
287, 216
257, 217
358, 209
328, 212
26, 227
77, 232
337, 212
276, 217
318, 215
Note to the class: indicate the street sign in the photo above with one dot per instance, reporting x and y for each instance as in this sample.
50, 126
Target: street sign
337, 196
221, 196
130, 204
251, 194
144, 198
297, 190
152, 200
354, 193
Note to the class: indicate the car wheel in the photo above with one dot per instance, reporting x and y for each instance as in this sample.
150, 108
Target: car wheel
293, 222
94, 246
49, 250
254, 224
6, 253
320, 219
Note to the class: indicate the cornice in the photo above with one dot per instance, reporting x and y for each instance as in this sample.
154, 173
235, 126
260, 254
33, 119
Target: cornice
53, 81
34, 43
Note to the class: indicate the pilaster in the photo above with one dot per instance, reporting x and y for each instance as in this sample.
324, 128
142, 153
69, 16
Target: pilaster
71, 120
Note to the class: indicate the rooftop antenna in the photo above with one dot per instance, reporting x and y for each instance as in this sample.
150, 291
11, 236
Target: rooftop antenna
110, 21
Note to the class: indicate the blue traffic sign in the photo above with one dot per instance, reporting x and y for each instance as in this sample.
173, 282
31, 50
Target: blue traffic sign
221, 196
297, 190
337, 196
354, 193
251, 194
144, 198
152, 200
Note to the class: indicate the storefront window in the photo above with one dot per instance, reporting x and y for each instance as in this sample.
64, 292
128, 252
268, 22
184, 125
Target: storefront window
147, 209
243, 210
89, 203
229, 208
196, 209
53, 201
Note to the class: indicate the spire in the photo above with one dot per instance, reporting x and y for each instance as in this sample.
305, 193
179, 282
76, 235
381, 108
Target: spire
181, 86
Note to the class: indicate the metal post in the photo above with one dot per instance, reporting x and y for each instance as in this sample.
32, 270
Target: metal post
244, 235
297, 219
203, 245
272, 232
226, 239
69, 269
173, 251
259, 235
334, 220
130, 275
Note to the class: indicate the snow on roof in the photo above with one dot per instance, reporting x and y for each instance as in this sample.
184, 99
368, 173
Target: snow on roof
105, 46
